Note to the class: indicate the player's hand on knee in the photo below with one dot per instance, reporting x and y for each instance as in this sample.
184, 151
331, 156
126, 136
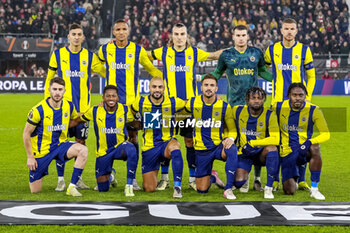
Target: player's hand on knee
304, 148
32, 164
227, 143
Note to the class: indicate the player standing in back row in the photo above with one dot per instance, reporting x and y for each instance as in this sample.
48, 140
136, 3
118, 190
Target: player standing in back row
74, 65
291, 62
242, 64
122, 58
179, 71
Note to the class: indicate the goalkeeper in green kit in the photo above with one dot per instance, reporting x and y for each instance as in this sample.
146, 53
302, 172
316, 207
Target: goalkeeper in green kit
242, 64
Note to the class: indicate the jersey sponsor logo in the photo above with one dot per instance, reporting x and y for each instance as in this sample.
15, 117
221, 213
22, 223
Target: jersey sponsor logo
243, 71
180, 68
110, 130
74, 74
286, 67
119, 66
53, 128
249, 132
292, 128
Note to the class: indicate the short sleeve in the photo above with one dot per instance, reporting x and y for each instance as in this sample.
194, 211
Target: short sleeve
157, 53
202, 55
88, 115
34, 117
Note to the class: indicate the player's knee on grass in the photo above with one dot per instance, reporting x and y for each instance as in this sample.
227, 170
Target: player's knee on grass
150, 181
35, 187
289, 186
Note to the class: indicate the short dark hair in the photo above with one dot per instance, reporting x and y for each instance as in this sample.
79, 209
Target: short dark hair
289, 20
110, 87
209, 76
120, 21
58, 80
179, 25
295, 85
240, 28
255, 90
75, 26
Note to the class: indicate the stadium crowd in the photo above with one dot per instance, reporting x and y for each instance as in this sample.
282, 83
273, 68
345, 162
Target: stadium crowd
53, 17
322, 24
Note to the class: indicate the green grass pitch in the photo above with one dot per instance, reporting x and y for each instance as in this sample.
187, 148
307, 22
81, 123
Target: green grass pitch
14, 174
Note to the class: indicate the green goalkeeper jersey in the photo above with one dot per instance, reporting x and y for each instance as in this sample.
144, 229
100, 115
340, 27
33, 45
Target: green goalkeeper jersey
242, 70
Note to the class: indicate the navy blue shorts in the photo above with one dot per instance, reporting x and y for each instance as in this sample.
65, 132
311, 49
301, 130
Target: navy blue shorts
59, 153
245, 162
104, 164
151, 158
80, 131
289, 167
205, 159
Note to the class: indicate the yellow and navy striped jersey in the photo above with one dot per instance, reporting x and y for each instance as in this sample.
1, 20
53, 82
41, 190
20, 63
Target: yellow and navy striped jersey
110, 127
209, 122
179, 69
51, 126
297, 126
75, 69
122, 66
290, 65
163, 125
261, 130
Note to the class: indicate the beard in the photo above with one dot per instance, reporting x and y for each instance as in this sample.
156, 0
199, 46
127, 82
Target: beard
157, 97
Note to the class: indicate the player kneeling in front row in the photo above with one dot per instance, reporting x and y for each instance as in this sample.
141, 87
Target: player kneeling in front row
258, 138
111, 139
157, 113
45, 138
296, 121
211, 115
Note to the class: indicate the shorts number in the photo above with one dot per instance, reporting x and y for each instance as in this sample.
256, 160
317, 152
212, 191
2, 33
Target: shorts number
84, 132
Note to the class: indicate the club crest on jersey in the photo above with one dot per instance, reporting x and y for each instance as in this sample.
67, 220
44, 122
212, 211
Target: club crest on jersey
296, 56
216, 114
303, 119
252, 59
66, 114
120, 119
166, 109
261, 124
130, 55
189, 57
84, 62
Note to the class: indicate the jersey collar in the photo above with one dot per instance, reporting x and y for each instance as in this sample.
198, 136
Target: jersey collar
121, 47
295, 43
179, 51
216, 99
73, 52
111, 112
149, 98
47, 101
